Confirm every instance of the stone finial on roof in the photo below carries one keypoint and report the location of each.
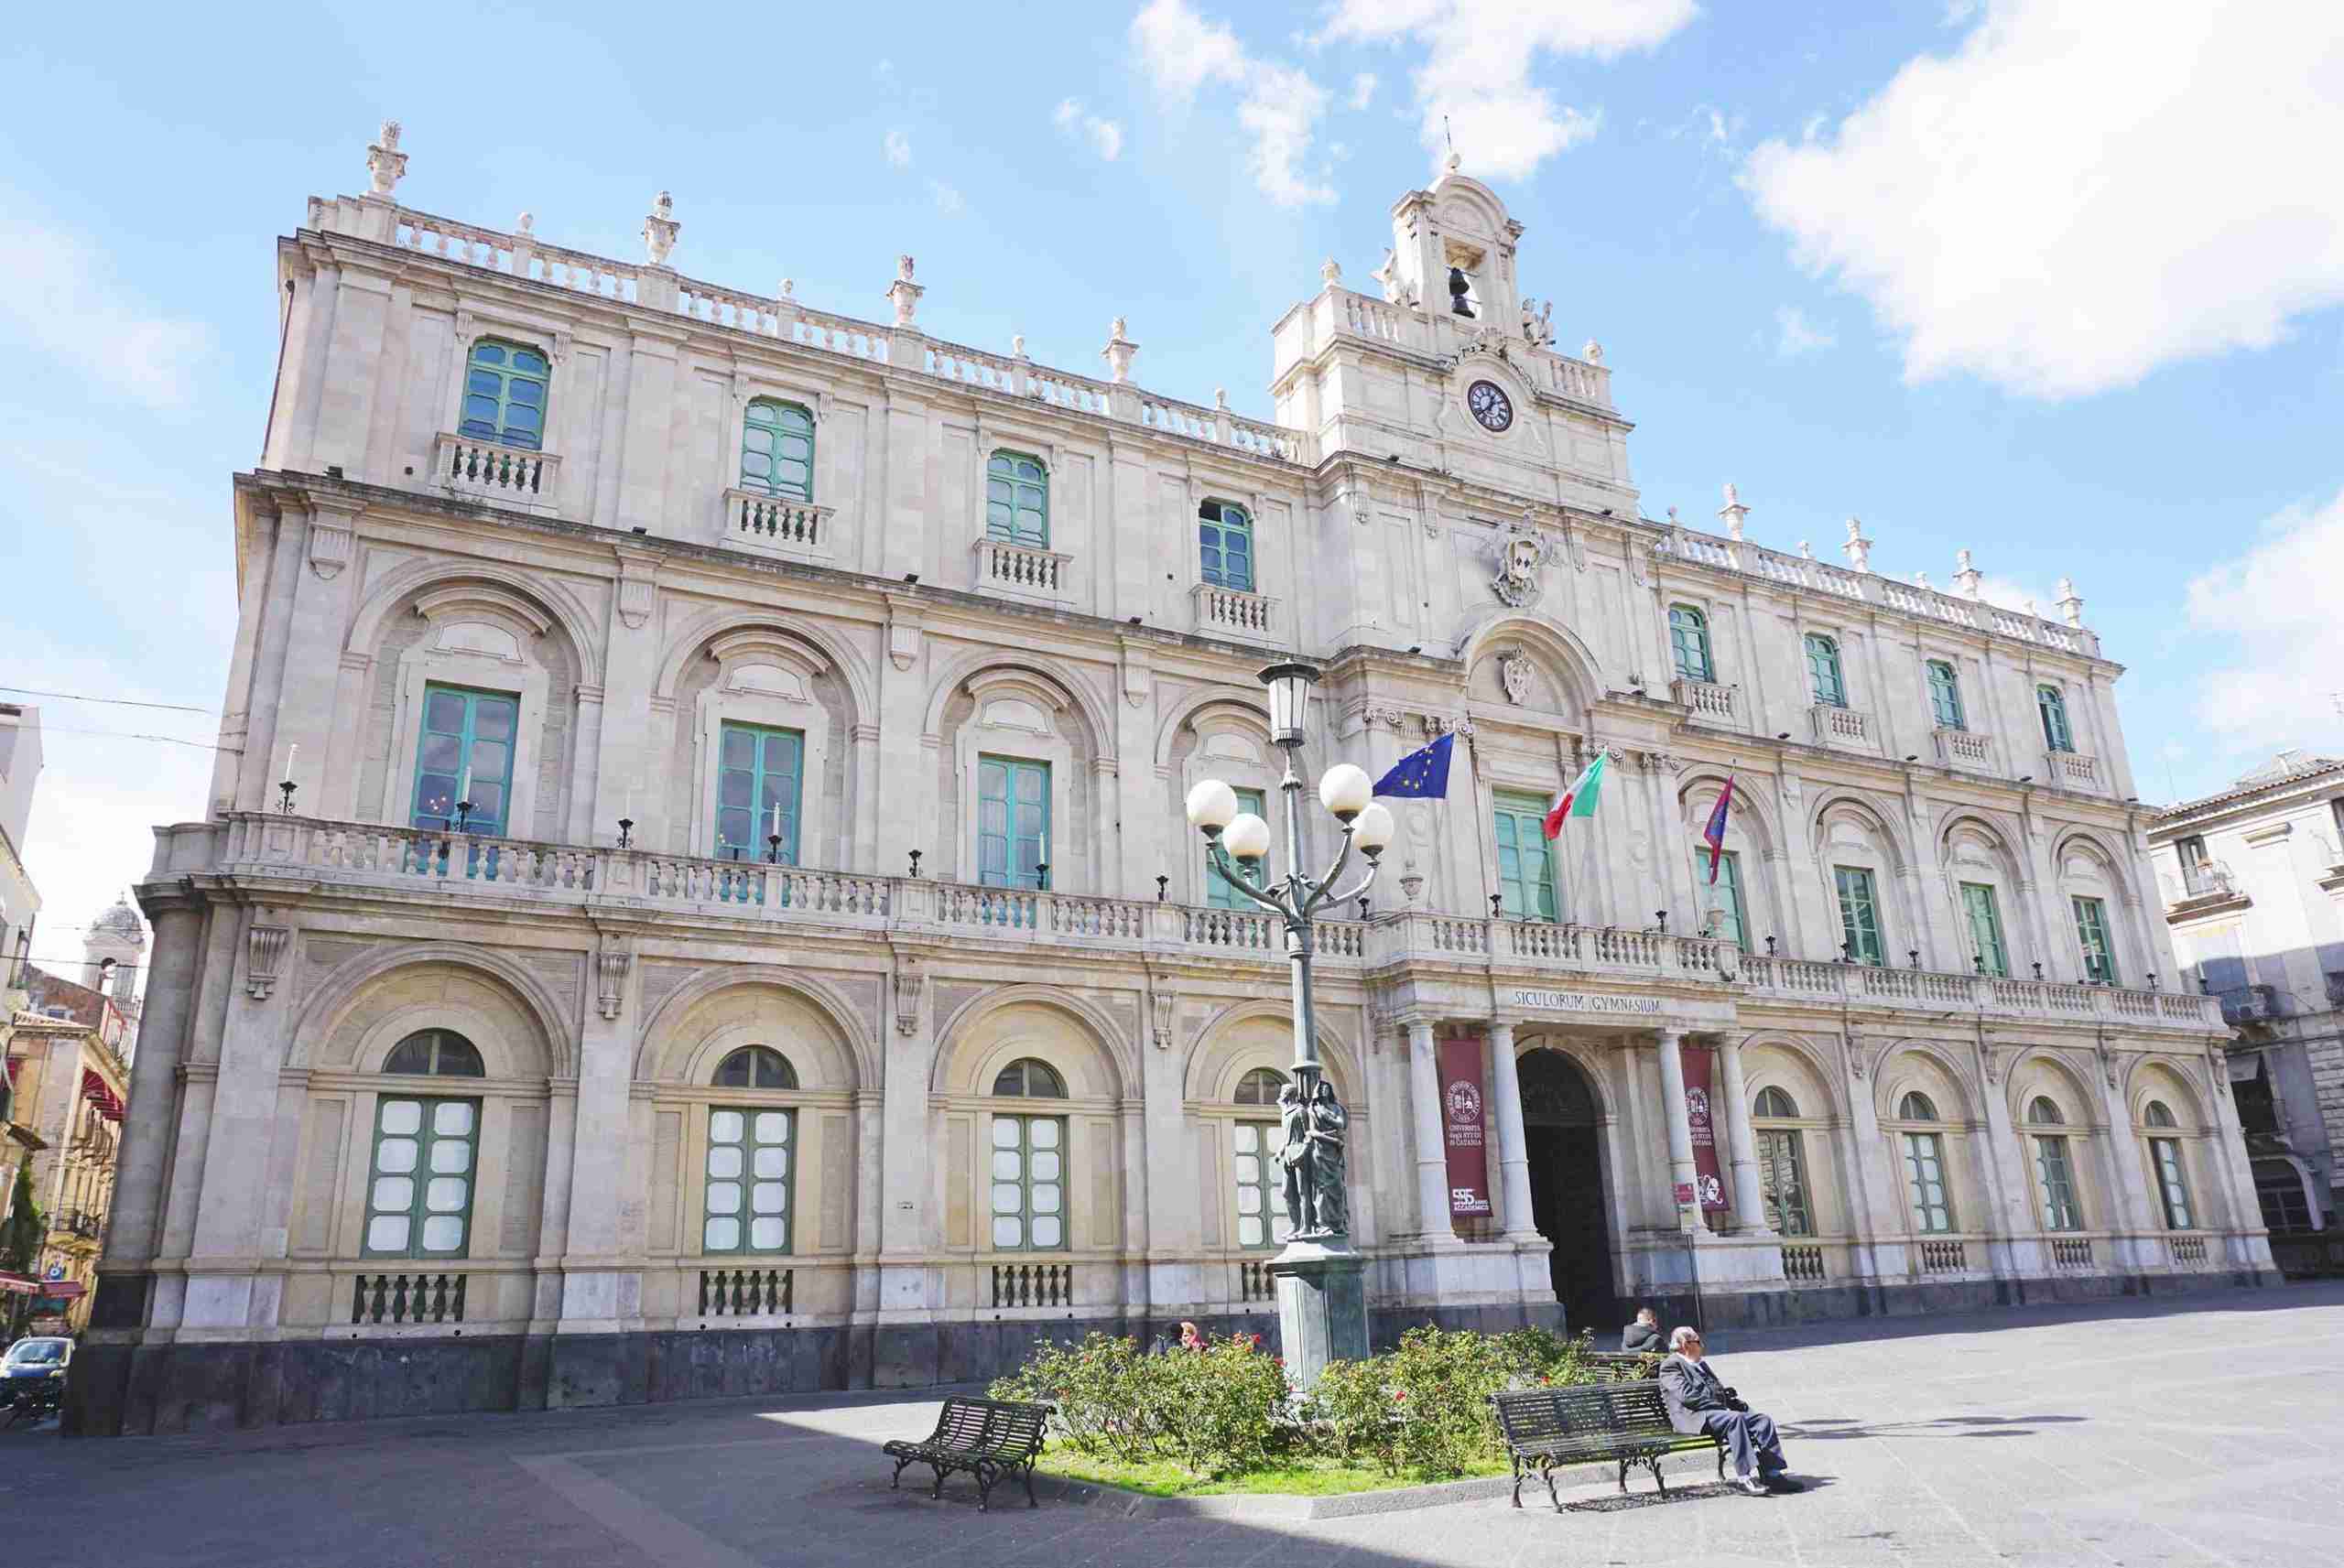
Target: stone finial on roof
(1220, 398)
(1734, 511)
(385, 163)
(1330, 272)
(1118, 352)
(526, 222)
(1858, 549)
(1965, 575)
(903, 294)
(2071, 605)
(660, 229)
(1017, 345)
(1805, 550)
(1593, 354)
(1920, 580)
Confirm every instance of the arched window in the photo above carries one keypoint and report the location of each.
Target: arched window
(1915, 1107)
(1028, 1165)
(1225, 545)
(2158, 1114)
(1017, 500)
(1688, 642)
(1782, 1166)
(2054, 1178)
(1945, 696)
(777, 450)
(435, 1052)
(1260, 1086)
(505, 394)
(1823, 671)
(2043, 1113)
(1776, 1105)
(1030, 1079)
(756, 1067)
(1925, 1178)
(2053, 707)
(2173, 1179)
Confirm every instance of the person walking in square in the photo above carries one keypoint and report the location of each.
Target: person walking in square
(1698, 1402)
(1642, 1338)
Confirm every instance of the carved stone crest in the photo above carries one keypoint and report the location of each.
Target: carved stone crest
(1515, 674)
(1521, 550)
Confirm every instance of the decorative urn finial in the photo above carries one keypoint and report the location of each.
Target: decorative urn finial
(384, 162)
(660, 229)
(1118, 352)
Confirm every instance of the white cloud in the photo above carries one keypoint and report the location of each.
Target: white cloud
(1794, 335)
(1957, 12)
(1279, 106)
(2070, 198)
(63, 302)
(1478, 74)
(899, 149)
(2273, 603)
(1105, 136)
(948, 201)
(1362, 89)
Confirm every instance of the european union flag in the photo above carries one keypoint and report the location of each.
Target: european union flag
(1420, 775)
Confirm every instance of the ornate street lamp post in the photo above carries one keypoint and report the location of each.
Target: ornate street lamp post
(1322, 1299)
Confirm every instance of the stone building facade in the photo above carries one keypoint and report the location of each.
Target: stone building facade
(2253, 881)
(823, 987)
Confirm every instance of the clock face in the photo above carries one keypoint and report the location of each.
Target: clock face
(1489, 404)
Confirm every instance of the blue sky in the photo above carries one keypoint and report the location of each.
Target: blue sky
(2031, 280)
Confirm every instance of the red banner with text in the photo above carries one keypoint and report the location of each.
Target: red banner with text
(1464, 1127)
(1708, 1175)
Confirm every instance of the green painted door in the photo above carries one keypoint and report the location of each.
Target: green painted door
(1219, 894)
(1859, 913)
(1985, 928)
(1733, 916)
(1525, 868)
(759, 777)
(1012, 822)
(2091, 933)
(465, 752)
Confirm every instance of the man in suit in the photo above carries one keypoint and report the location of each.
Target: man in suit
(1644, 1335)
(1698, 1402)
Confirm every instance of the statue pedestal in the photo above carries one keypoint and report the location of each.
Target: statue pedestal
(1322, 1306)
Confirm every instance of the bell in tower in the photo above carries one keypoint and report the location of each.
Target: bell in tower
(1460, 287)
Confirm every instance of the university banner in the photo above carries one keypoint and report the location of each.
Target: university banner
(1708, 1176)
(1464, 1126)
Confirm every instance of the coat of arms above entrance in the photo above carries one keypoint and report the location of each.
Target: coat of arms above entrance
(1521, 550)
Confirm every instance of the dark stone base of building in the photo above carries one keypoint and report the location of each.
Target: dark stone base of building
(122, 1391)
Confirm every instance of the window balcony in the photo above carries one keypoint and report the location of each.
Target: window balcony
(2072, 769)
(1024, 571)
(774, 524)
(497, 475)
(1233, 612)
(1965, 749)
(1836, 726)
(1708, 699)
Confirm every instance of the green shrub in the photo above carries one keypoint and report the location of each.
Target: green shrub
(1211, 1410)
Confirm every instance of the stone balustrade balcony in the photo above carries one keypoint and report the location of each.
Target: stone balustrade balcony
(1964, 748)
(499, 475)
(1634, 972)
(1233, 612)
(1710, 701)
(1024, 571)
(1849, 728)
(2073, 770)
(752, 520)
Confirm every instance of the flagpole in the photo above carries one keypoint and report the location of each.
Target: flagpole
(1481, 814)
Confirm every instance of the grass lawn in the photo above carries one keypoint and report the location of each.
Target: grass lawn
(1307, 1477)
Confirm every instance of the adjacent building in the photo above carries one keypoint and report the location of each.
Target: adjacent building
(2251, 878)
(71, 1077)
(20, 760)
(695, 896)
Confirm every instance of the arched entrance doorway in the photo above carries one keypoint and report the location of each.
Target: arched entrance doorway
(1558, 1129)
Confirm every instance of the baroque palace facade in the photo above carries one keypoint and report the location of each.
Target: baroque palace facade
(818, 985)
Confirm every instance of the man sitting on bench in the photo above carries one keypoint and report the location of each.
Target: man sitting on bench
(1697, 1401)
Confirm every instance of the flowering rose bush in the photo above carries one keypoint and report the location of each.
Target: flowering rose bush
(1211, 1409)
(1425, 1406)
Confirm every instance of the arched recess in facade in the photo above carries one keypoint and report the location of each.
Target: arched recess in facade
(2089, 866)
(1095, 1118)
(1816, 1139)
(2158, 1077)
(1953, 1137)
(1980, 848)
(1260, 1034)
(481, 627)
(1563, 669)
(2041, 1073)
(1217, 732)
(1573, 1136)
(1033, 712)
(771, 673)
(827, 1106)
(1238, 1041)
(1753, 838)
(1848, 829)
(498, 1125)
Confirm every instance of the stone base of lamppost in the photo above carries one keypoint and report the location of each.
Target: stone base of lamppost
(1322, 1306)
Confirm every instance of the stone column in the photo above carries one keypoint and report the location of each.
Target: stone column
(1513, 1151)
(1680, 1130)
(143, 1175)
(1748, 1193)
(1432, 1156)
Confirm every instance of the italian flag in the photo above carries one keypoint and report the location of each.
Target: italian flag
(1578, 798)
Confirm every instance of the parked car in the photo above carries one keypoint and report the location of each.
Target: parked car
(32, 1376)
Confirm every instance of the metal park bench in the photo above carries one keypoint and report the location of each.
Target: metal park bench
(1591, 1424)
(987, 1438)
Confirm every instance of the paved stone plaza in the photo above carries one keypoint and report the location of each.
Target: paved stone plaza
(2166, 1433)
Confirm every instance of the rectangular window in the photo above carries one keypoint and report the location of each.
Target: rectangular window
(747, 1191)
(1945, 696)
(1688, 642)
(465, 752)
(1028, 1183)
(1017, 500)
(1219, 894)
(2052, 708)
(1859, 914)
(2173, 1185)
(759, 779)
(2280, 1191)
(1925, 1182)
(2057, 1182)
(1733, 916)
(1261, 1214)
(505, 395)
(1525, 868)
(1823, 671)
(1225, 545)
(1985, 928)
(2091, 933)
(777, 451)
(1012, 822)
(1782, 1177)
(419, 1186)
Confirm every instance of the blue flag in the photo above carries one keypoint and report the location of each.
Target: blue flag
(1420, 775)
